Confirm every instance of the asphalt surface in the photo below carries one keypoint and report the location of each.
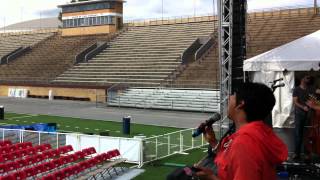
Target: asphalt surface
(88, 110)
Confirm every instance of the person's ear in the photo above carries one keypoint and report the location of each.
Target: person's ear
(240, 105)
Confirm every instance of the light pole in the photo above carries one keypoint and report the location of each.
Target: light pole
(194, 8)
(162, 10)
(315, 6)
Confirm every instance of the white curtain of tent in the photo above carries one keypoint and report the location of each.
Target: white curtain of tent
(282, 62)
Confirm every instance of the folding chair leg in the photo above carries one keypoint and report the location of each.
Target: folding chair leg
(115, 171)
(109, 172)
(122, 169)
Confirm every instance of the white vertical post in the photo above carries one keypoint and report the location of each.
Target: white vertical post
(168, 144)
(141, 153)
(181, 142)
(57, 140)
(3, 134)
(21, 136)
(192, 139)
(156, 147)
(99, 144)
(79, 141)
(39, 138)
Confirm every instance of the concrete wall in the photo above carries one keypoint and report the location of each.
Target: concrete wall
(57, 91)
(102, 29)
(89, 30)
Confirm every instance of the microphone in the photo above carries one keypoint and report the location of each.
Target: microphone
(275, 81)
(216, 117)
(277, 86)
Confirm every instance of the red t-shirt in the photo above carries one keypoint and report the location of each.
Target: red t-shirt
(250, 154)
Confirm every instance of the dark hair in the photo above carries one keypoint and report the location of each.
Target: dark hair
(258, 100)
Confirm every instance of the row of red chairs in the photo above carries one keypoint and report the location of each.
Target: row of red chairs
(29, 150)
(47, 166)
(82, 166)
(30, 160)
(15, 147)
(5, 143)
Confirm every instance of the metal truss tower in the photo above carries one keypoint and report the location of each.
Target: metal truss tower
(225, 57)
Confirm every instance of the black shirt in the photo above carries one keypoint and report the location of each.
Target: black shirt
(303, 96)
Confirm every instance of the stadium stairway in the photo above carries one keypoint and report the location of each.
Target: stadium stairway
(48, 58)
(172, 99)
(203, 73)
(9, 43)
(141, 56)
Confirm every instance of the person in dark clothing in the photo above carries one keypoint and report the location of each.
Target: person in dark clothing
(300, 97)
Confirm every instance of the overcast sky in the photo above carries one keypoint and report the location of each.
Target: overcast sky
(13, 11)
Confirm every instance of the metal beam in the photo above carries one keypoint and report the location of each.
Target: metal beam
(225, 12)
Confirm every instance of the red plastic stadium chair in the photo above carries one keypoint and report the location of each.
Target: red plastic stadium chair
(68, 171)
(76, 169)
(4, 150)
(39, 168)
(8, 177)
(59, 175)
(49, 177)
(55, 152)
(30, 160)
(5, 143)
(2, 168)
(89, 151)
(57, 162)
(39, 157)
(84, 165)
(65, 149)
(47, 154)
(49, 165)
(73, 157)
(21, 163)
(42, 147)
(27, 144)
(10, 166)
(20, 175)
(30, 171)
(80, 155)
(7, 157)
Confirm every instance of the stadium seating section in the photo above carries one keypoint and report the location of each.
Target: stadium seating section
(175, 99)
(142, 55)
(48, 58)
(22, 161)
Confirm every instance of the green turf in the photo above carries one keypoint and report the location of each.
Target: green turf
(156, 170)
(159, 171)
(66, 124)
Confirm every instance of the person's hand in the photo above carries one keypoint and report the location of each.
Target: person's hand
(311, 104)
(210, 136)
(305, 108)
(205, 173)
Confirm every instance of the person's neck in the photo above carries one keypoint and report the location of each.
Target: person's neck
(303, 86)
(240, 123)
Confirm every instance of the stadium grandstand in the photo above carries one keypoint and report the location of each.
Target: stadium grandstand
(90, 53)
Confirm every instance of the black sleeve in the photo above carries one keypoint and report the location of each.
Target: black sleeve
(295, 92)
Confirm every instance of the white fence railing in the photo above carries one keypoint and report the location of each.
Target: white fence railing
(136, 150)
(159, 147)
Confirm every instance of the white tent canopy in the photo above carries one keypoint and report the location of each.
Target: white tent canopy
(300, 55)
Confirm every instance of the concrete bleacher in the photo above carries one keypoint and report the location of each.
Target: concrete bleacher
(174, 99)
(265, 31)
(142, 55)
(10, 43)
(48, 58)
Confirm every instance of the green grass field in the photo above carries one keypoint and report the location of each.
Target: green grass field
(155, 171)
(67, 124)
